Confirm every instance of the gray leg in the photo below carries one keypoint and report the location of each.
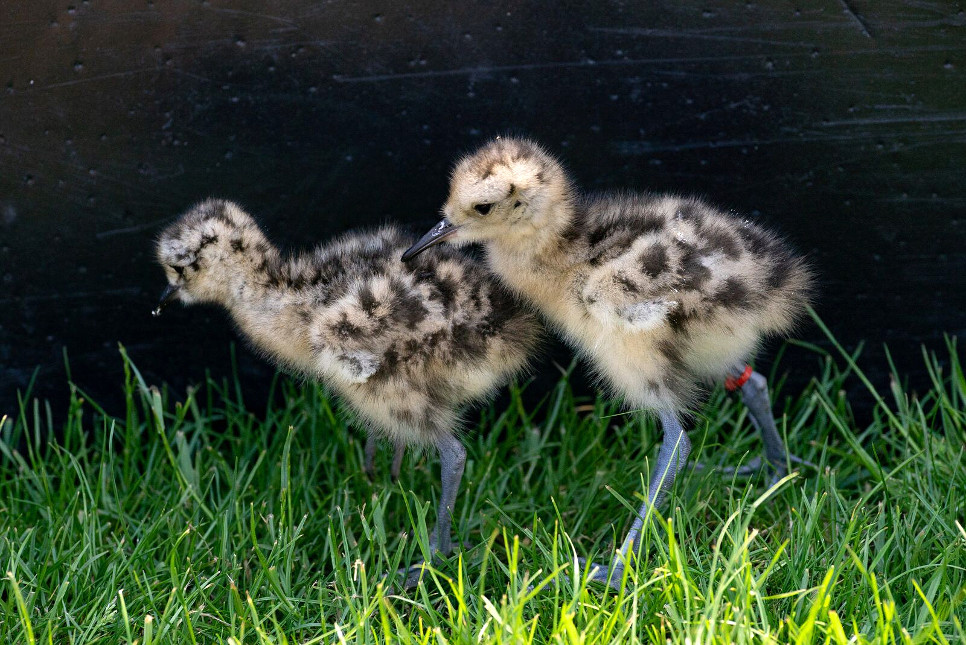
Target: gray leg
(673, 455)
(371, 445)
(452, 457)
(397, 458)
(754, 393)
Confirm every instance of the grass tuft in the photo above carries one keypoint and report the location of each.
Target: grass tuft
(194, 521)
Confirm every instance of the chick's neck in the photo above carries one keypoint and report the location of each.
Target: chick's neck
(270, 311)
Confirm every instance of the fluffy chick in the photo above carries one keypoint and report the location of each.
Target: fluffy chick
(405, 346)
(660, 293)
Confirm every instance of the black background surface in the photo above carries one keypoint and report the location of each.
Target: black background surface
(840, 123)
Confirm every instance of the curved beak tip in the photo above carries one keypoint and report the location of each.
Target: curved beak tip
(437, 234)
(166, 297)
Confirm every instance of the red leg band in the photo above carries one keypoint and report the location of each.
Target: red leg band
(732, 383)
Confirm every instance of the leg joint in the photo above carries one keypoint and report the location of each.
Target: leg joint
(757, 383)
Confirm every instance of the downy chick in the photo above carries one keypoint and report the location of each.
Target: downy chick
(405, 346)
(660, 293)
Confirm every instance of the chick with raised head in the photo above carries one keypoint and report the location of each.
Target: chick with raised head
(404, 345)
(661, 294)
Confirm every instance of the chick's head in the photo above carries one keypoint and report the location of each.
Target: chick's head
(509, 191)
(206, 250)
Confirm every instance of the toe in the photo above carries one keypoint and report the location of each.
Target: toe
(746, 470)
(607, 575)
(407, 578)
(802, 462)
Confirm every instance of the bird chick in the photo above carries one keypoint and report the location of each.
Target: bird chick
(405, 346)
(660, 293)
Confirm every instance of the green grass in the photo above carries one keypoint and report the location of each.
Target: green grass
(198, 522)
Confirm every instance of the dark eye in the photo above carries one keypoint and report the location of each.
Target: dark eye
(178, 270)
(483, 209)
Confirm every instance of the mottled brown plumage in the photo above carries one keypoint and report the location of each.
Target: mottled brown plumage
(660, 293)
(404, 345)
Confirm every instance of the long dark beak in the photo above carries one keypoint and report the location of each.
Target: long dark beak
(436, 235)
(166, 296)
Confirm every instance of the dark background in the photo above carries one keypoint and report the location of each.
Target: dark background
(840, 123)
